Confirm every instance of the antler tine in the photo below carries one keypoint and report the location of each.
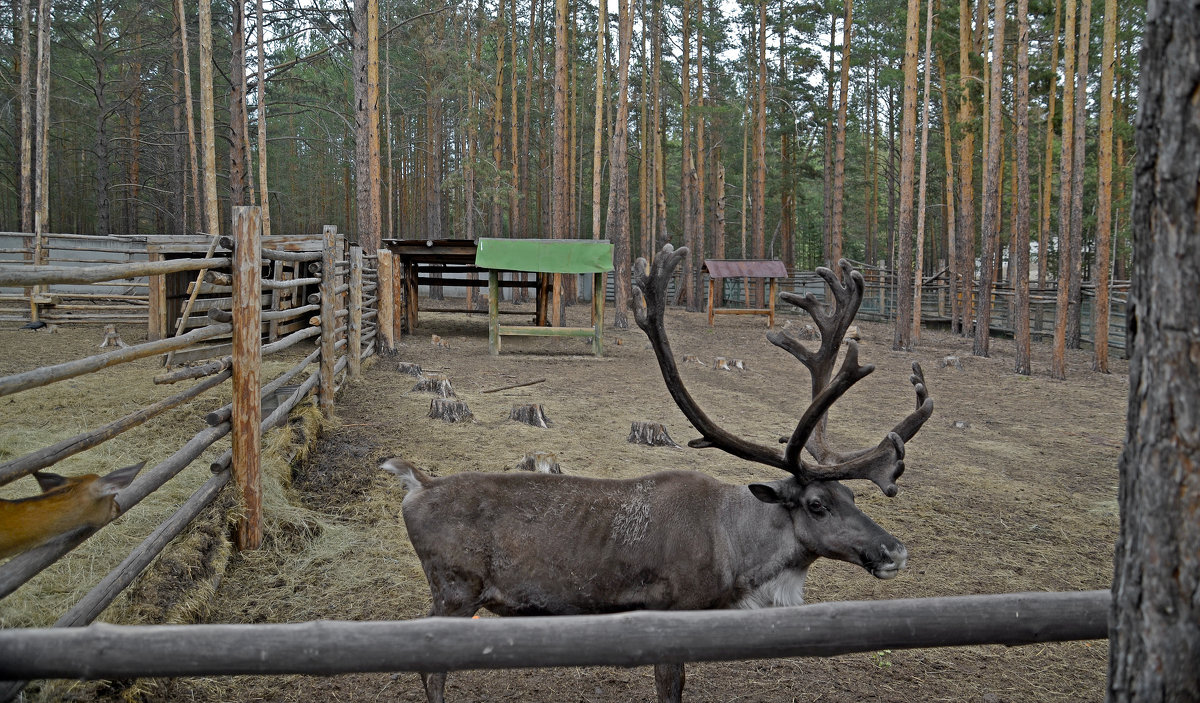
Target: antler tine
(849, 374)
(650, 287)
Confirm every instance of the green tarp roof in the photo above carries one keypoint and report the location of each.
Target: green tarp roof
(545, 255)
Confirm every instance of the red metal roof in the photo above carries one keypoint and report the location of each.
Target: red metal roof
(745, 268)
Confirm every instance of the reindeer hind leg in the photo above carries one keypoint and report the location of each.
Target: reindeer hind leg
(453, 606)
(668, 682)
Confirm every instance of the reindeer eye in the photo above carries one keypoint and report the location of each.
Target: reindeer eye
(816, 507)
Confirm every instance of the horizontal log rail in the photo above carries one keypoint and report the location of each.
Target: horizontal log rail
(27, 275)
(21, 466)
(625, 639)
(49, 374)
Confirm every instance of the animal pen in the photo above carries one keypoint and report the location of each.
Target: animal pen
(352, 296)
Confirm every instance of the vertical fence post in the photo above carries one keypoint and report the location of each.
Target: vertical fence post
(386, 304)
(328, 322)
(354, 324)
(247, 367)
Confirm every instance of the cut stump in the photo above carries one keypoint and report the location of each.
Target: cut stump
(539, 462)
(531, 414)
(449, 410)
(112, 339)
(438, 385)
(650, 433)
(410, 369)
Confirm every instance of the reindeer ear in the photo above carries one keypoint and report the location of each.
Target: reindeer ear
(774, 492)
(48, 481)
(115, 481)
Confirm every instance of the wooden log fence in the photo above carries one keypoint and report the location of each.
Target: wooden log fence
(625, 639)
(243, 418)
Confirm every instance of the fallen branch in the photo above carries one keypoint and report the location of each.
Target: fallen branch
(515, 385)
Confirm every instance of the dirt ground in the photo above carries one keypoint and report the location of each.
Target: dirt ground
(1011, 486)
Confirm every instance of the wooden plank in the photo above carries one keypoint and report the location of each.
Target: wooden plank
(354, 306)
(493, 312)
(525, 331)
(103, 651)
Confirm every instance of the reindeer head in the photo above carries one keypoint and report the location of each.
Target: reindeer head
(822, 510)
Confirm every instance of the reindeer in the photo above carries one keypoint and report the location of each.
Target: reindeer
(544, 544)
(64, 505)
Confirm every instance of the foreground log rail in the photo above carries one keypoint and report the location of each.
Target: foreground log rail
(624, 639)
(243, 418)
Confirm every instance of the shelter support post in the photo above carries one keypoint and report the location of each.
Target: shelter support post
(386, 303)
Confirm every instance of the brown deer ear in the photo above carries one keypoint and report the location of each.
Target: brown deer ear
(48, 482)
(775, 492)
(117, 480)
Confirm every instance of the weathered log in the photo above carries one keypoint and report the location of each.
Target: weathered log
(51, 275)
(70, 369)
(449, 410)
(653, 434)
(439, 385)
(514, 385)
(103, 651)
(539, 462)
(48, 456)
(530, 414)
(189, 372)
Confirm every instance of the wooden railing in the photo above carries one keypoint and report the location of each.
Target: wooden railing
(346, 336)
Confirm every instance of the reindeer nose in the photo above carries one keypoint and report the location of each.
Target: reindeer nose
(895, 560)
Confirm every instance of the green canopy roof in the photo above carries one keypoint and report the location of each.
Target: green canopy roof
(545, 255)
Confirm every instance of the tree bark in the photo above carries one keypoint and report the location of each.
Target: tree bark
(1058, 363)
(1021, 225)
(839, 144)
(212, 219)
(598, 118)
(237, 108)
(264, 199)
(993, 186)
(1154, 631)
(920, 231)
(1104, 156)
(902, 332)
(27, 124)
(618, 197)
(1075, 294)
(1048, 159)
(965, 229)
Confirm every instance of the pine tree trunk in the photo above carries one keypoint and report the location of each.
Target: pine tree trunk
(212, 219)
(1048, 159)
(965, 229)
(953, 282)
(1104, 158)
(598, 119)
(1021, 226)
(902, 333)
(839, 144)
(1154, 632)
(264, 193)
(496, 228)
(27, 123)
(1075, 294)
(237, 108)
(687, 175)
(560, 207)
(827, 171)
(1058, 364)
(920, 230)
(618, 197)
(993, 186)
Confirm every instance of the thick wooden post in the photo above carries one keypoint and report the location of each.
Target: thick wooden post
(387, 303)
(494, 312)
(157, 313)
(354, 324)
(712, 290)
(771, 303)
(328, 322)
(599, 288)
(247, 367)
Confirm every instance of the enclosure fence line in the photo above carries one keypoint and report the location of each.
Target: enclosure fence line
(346, 332)
(624, 639)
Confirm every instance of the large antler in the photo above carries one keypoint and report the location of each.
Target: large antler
(882, 464)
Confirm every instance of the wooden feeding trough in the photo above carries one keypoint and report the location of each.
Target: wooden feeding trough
(552, 257)
(719, 269)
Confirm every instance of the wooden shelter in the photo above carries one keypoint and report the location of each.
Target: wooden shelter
(545, 256)
(718, 269)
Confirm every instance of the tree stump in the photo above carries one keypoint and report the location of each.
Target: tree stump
(410, 369)
(112, 339)
(950, 361)
(438, 385)
(650, 433)
(539, 462)
(532, 414)
(723, 364)
(449, 410)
